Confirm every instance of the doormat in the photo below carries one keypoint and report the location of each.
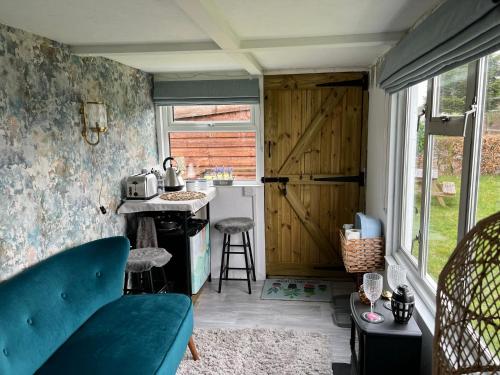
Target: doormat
(341, 311)
(297, 290)
(341, 368)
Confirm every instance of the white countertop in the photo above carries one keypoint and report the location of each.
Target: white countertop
(158, 204)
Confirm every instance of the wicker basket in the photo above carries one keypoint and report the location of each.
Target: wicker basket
(363, 255)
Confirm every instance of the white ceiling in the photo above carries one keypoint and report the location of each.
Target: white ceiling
(79, 22)
(259, 36)
(319, 58)
(176, 63)
(257, 19)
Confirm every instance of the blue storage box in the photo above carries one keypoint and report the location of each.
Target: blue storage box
(370, 226)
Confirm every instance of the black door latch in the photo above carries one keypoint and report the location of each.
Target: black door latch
(281, 180)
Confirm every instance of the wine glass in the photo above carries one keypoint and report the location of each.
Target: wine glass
(372, 286)
(396, 275)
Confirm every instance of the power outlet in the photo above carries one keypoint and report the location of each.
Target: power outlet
(248, 191)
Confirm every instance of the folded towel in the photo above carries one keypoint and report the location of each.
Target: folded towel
(146, 233)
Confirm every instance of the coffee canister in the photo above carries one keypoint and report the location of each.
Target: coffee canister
(192, 185)
(196, 185)
(203, 184)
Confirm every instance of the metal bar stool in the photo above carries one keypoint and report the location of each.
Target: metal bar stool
(232, 226)
(140, 263)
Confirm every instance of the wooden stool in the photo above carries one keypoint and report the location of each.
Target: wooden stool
(228, 227)
(141, 263)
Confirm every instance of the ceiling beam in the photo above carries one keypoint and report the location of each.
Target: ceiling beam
(245, 46)
(150, 48)
(248, 62)
(353, 40)
(208, 17)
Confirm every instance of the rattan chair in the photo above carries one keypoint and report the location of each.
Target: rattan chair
(467, 334)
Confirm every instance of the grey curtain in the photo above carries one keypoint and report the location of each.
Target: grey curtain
(237, 91)
(458, 32)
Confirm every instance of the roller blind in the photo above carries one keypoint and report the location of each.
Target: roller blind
(237, 91)
(458, 32)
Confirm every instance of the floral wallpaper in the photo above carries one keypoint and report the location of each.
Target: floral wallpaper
(50, 179)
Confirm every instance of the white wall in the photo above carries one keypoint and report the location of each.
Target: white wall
(376, 175)
(236, 201)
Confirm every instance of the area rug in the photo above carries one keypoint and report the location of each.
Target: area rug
(258, 352)
(297, 290)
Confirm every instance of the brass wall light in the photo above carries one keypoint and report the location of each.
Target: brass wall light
(95, 120)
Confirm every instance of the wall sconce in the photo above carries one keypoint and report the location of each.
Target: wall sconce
(95, 120)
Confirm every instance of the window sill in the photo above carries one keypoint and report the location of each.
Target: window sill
(237, 184)
(425, 299)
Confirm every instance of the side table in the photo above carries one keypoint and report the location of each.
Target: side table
(383, 348)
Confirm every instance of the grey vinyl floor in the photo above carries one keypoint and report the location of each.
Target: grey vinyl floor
(234, 308)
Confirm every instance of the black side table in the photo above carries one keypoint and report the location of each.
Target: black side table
(383, 348)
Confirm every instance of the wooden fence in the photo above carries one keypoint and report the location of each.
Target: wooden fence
(207, 150)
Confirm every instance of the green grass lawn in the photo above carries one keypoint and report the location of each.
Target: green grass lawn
(443, 229)
(444, 220)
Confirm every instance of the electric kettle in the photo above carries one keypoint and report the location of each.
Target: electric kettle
(173, 179)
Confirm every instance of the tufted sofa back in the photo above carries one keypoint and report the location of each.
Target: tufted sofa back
(43, 305)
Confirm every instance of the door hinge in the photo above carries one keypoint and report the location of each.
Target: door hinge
(362, 82)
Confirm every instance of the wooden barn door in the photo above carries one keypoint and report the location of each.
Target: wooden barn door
(315, 126)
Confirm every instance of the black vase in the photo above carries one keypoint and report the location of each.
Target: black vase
(402, 304)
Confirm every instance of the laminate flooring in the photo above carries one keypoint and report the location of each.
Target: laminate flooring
(234, 308)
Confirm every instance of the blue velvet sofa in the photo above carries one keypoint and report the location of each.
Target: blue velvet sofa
(68, 315)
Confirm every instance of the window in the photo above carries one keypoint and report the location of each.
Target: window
(206, 138)
(450, 93)
(451, 162)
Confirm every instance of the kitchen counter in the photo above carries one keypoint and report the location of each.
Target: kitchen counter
(158, 204)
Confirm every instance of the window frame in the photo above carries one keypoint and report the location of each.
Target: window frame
(409, 117)
(186, 126)
(166, 125)
(449, 125)
(470, 127)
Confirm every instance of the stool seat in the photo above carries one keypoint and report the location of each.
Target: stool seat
(141, 260)
(234, 225)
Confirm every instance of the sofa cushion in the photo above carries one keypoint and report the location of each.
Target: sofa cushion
(41, 307)
(141, 334)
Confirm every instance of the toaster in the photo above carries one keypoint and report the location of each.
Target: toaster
(142, 186)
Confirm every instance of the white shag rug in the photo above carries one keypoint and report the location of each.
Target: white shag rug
(258, 352)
